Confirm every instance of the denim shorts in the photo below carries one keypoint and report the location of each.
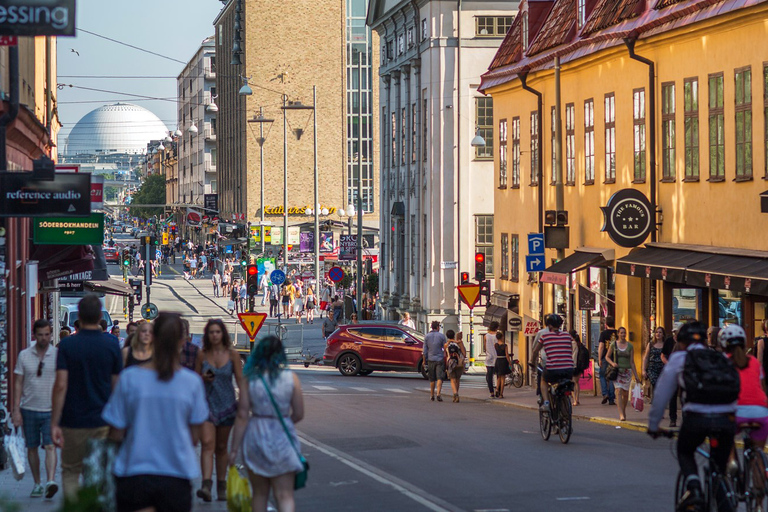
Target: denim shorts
(37, 425)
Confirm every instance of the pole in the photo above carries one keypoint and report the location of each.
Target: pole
(285, 187)
(359, 182)
(559, 188)
(147, 270)
(471, 337)
(261, 157)
(458, 157)
(317, 193)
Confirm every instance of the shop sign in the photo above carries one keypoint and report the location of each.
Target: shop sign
(294, 210)
(276, 234)
(347, 247)
(193, 218)
(37, 17)
(326, 241)
(531, 326)
(69, 231)
(211, 202)
(67, 194)
(629, 217)
(97, 192)
(554, 278)
(587, 299)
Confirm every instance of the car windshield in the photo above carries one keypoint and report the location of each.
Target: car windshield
(413, 333)
(104, 315)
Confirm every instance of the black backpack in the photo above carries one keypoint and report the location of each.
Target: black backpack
(710, 378)
(582, 358)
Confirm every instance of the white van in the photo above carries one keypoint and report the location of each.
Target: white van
(68, 315)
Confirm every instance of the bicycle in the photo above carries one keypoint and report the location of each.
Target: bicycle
(559, 416)
(516, 377)
(280, 328)
(750, 479)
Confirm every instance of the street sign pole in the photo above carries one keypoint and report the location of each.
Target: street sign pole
(147, 270)
(471, 337)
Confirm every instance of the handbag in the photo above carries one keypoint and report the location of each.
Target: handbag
(611, 372)
(17, 452)
(301, 476)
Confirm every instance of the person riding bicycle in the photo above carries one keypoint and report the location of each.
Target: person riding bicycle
(558, 349)
(710, 387)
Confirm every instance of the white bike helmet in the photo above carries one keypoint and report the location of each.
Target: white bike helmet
(731, 335)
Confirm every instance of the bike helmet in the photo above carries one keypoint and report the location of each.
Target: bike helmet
(553, 320)
(731, 335)
(692, 332)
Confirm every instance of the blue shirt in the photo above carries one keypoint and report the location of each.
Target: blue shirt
(91, 358)
(156, 416)
(434, 344)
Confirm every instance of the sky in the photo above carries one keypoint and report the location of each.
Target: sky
(172, 28)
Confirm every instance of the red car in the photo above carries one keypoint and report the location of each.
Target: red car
(359, 349)
(111, 255)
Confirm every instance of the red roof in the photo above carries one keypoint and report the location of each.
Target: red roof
(610, 12)
(511, 48)
(559, 27)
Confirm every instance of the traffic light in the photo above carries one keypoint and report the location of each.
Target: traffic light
(479, 267)
(244, 261)
(136, 285)
(253, 280)
(126, 258)
(465, 278)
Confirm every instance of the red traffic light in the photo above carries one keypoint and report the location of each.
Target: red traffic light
(252, 270)
(479, 257)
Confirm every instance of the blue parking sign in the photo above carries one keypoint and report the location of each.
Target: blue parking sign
(535, 243)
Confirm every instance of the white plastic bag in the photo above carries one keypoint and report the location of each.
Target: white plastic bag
(17, 453)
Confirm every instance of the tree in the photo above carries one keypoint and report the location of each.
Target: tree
(372, 283)
(152, 191)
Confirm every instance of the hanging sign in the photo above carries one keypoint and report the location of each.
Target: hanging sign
(37, 17)
(348, 247)
(629, 217)
(69, 231)
(68, 194)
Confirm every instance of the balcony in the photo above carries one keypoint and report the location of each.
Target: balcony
(208, 132)
(209, 165)
(209, 73)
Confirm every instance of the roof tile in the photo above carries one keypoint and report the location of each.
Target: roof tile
(610, 12)
(559, 28)
(511, 48)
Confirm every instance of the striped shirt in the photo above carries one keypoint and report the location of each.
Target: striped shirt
(558, 346)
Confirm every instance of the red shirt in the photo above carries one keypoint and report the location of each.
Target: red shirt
(751, 388)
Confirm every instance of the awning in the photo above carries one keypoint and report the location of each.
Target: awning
(57, 261)
(720, 268)
(582, 258)
(495, 313)
(110, 287)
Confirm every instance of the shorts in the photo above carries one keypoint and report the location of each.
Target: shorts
(435, 370)
(37, 425)
(286, 299)
(555, 376)
(758, 435)
(164, 493)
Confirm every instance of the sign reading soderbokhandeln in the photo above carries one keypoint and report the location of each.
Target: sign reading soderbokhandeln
(69, 231)
(37, 17)
(68, 194)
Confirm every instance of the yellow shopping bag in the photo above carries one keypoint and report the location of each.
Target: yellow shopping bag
(238, 492)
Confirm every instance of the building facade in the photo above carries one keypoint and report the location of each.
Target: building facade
(276, 60)
(436, 210)
(197, 143)
(676, 164)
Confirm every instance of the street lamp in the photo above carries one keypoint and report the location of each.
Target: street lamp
(477, 141)
(245, 90)
(261, 120)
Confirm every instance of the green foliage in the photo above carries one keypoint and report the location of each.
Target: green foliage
(346, 281)
(6, 505)
(87, 500)
(152, 191)
(372, 283)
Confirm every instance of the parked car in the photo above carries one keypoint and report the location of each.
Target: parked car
(111, 255)
(68, 315)
(359, 349)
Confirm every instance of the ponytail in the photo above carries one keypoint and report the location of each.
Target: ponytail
(739, 357)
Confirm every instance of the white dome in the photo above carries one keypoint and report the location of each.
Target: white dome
(116, 128)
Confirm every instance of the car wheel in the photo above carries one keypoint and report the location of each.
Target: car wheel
(365, 373)
(349, 365)
(423, 370)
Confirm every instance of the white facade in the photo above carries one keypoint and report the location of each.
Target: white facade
(197, 106)
(434, 186)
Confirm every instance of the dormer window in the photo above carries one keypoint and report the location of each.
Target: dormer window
(525, 31)
(581, 13)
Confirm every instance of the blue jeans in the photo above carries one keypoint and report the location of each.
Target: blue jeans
(606, 386)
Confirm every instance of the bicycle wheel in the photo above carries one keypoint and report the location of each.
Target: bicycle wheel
(545, 424)
(755, 482)
(565, 420)
(517, 375)
(280, 331)
(679, 488)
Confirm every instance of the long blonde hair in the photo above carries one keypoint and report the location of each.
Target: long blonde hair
(134, 340)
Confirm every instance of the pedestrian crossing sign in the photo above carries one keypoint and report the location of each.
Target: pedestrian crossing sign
(469, 294)
(252, 322)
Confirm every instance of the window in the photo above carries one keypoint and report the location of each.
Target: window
(504, 256)
(484, 120)
(716, 128)
(503, 153)
(515, 152)
(424, 29)
(743, 95)
(553, 143)
(400, 44)
(668, 131)
(425, 122)
(525, 31)
(484, 240)
(402, 136)
(492, 26)
(390, 50)
(535, 147)
(581, 13)
(413, 132)
(589, 142)
(409, 37)
(691, 113)
(570, 144)
(394, 139)
(610, 138)
(413, 244)
(638, 122)
(514, 271)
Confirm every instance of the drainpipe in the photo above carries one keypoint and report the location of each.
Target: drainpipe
(539, 106)
(8, 117)
(630, 42)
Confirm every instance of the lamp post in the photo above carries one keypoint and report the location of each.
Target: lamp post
(261, 120)
(476, 142)
(359, 181)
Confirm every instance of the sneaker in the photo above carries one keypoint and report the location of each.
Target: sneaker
(37, 491)
(545, 406)
(605, 400)
(50, 489)
(439, 398)
(432, 398)
(611, 402)
(691, 499)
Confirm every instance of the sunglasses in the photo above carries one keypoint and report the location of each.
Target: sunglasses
(40, 369)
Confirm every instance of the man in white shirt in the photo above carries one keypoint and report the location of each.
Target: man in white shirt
(490, 356)
(264, 285)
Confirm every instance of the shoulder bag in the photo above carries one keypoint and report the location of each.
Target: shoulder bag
(611, 372)
(301, 476)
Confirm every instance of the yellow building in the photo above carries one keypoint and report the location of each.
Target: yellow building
(706, 109)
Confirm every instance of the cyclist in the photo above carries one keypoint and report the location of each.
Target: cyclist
(558, 348)
(711, 387)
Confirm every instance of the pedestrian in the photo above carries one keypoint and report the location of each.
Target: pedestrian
(434, 355)
(329, 323)
(338, 308)
(406, 321)
(353, 319)
(188, 350)
(217, 363)
(621, 355)
(264, 285)
(287, 298)
(310, 304)
(269, 406)
(225, 284)
(140, 349)
(156, 413)
(130, 329)
(581, 360)
(274, 300)
(87, 366)
(298, 301)
(186, 265)
(325, 296)
(105, 328)
(490, 356)
(712, 343)
(193, 266)
(503, 364)
(760, 347)
(652, 360)
(670, 346)
(243, 291)
(203, 264)
(35, 373)
(607, 336)
(454, 364)
(216, 280)
(234, 297)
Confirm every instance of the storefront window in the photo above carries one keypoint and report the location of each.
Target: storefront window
(730, 308)
(687, 304)
(760, 313)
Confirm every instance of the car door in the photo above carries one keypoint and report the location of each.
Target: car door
(370, 341)
(400, 350)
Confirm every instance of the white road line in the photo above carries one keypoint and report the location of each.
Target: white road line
(395, 390)
(364, 390)
(324, 388)
(410, 491)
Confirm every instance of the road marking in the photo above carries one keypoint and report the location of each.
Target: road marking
(491, 510)
(395, 390)
(573, 498)
(324, 388)
(364, 390)
(410, 491)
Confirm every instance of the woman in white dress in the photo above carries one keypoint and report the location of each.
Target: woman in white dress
(269, 455)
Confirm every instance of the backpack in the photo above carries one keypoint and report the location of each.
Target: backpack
(710, 378)
(582, 358)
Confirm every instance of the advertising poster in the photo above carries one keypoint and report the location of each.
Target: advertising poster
(307, 241)
(326, 242)
(347, 247)
(276, 235)
(293, 235)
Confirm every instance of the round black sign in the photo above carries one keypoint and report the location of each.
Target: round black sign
(629, 217)
(515, 323)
